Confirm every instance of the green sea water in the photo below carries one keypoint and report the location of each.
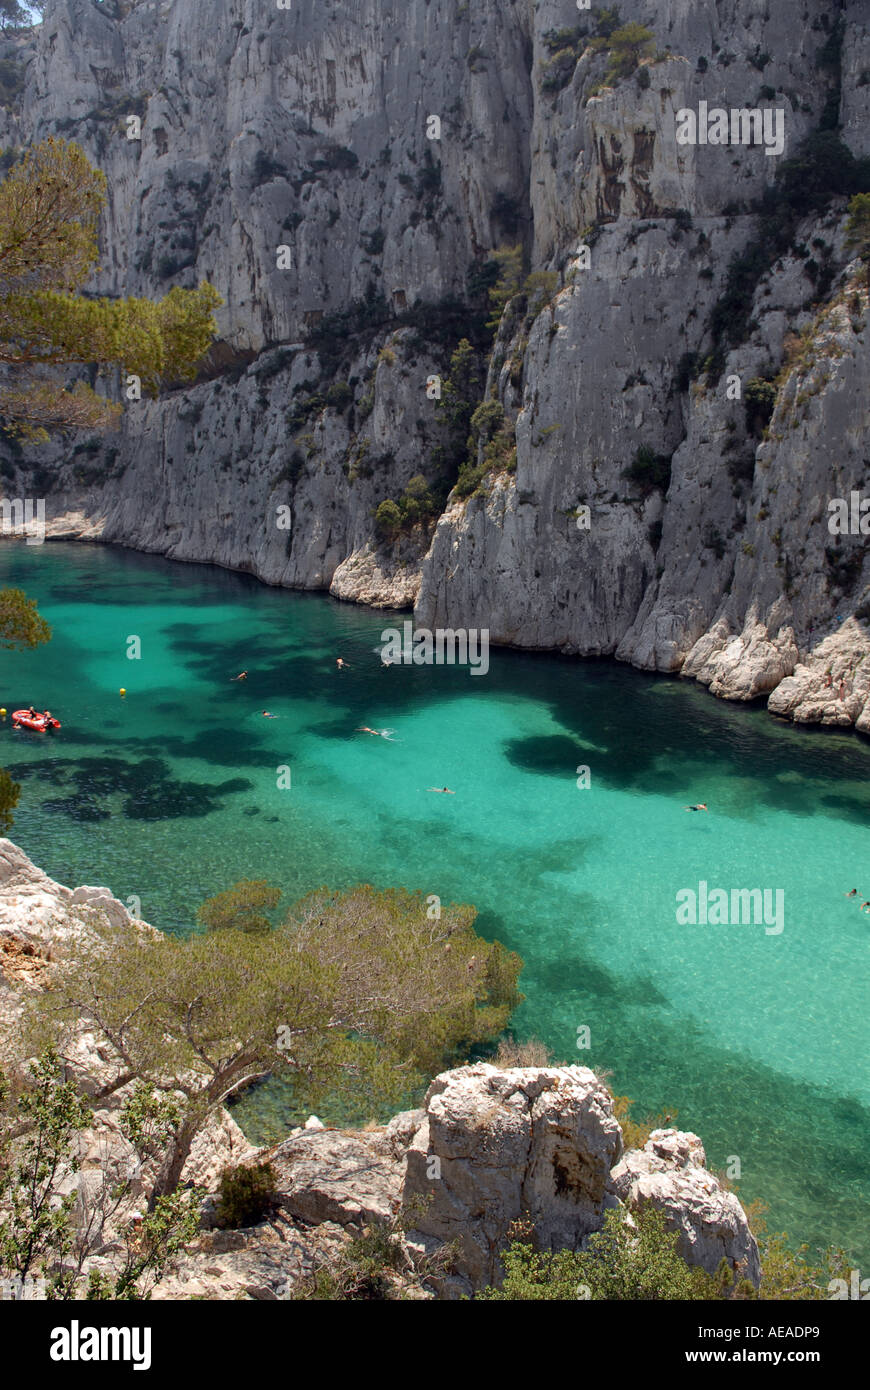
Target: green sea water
(759, 1041)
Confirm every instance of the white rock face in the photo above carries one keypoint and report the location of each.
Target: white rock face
(496, 1145)
(669, 1174)
(307, 129)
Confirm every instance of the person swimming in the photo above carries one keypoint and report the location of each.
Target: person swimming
(699, 807)
(242, 676)
(441, 789)
(267, 715)
(342, 665)
(853, 894)
(378, 733)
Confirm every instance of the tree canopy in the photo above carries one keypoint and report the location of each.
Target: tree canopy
(21, 628)
(50, 205)
(361, 995)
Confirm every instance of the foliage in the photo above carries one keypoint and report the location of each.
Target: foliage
(388, 520)
(356, 995)
(858, 227)
(9, 794)
(509, 283)
(365, 1270)
(531, 1053)
(15, 16)
(789, 1274)
(471, 475)
(759, 399)
(620, 1262)
(50, 204)
(149, 1246)
(626, 45)
(460, 393)
(823, 168)
(246, 1195)
(21, 626)
(487, 418)
(240, 908)
(11, 80)
(38, 1129)
(649, 470)
(36, 1229)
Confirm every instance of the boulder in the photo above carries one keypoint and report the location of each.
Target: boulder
(327, 1175)
(669, 1174)
(536, 1142)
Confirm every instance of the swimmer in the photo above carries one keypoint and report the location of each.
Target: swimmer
(342, 665)
(853, 894)
(441, 789)
(267, 715)
(699, 807)
(379, 733)
(865, 907)
(242, 676)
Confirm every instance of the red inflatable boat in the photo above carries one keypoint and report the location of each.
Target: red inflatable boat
(39, 724)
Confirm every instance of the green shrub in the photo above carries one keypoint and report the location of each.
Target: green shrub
(246, 1196)
(557, 73)
(619, 1263)
(487, 418)
(470, 477)
(759, 399)
(388, 520)
(339, 395)
(649, 470)
(240, 908)
(858, 226)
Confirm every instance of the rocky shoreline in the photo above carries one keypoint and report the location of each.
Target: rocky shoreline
(488, 1146)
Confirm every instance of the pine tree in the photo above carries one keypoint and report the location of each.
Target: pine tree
(50, 204)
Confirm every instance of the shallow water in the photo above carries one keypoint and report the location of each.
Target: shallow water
(758, 1040)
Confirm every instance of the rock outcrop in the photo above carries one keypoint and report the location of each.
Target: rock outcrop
(389, 154)
(542, 1144)
(669, 1173)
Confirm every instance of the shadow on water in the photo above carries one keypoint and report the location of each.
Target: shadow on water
(148, 789)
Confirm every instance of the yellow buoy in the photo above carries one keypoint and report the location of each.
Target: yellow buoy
(2, 713)
(122, 691)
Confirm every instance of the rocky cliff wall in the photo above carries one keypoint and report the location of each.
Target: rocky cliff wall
(307, 128)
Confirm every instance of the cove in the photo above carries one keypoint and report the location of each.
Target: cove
(758, 1041)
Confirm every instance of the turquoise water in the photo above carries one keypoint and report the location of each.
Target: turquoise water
(758, 1040)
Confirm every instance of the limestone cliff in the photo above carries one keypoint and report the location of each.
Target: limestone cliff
(706, 548)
